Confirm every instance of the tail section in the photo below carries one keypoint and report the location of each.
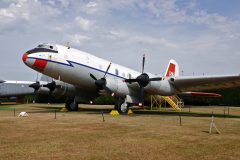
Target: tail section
(172, 69)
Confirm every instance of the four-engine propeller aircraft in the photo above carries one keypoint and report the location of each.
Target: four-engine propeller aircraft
(90, 76)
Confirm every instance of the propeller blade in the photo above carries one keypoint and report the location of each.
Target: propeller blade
(35, 96)
(130, 80)
(156, 79)
(37, 76)
(143, 63)
(107, 69)
(35, 86)
(93, 77)
(141, 99)
(51, 86)
(49, 97)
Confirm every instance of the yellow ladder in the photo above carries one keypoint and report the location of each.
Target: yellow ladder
(174, 101)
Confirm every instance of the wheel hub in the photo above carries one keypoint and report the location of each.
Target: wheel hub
(124, 107)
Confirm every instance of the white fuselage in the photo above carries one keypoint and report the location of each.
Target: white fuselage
(74, 66)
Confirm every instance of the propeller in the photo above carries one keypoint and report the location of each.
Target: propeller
(101, 83)
(143, 80)
(36, 86)
(51, 86)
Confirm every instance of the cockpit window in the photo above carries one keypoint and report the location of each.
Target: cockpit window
(44, 48)
(47, 46)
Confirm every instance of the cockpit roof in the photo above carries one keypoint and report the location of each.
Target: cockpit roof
(44, 48)
(47, 46)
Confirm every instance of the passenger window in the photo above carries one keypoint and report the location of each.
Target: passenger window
(123, 74)
(116, 72)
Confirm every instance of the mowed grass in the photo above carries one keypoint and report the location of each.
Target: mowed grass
(83, 135)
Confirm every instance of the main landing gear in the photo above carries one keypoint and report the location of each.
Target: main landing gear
(71, 105)
(122, 106)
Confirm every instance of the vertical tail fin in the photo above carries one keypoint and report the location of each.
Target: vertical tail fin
(172, 69)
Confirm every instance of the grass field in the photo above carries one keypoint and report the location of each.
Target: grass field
(83, 135)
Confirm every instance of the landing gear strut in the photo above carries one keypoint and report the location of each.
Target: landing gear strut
(71, 105)
(122, 106)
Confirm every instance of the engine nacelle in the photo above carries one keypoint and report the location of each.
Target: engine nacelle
(62, 89)
(65, 89)
(164, 87)
(119, 87)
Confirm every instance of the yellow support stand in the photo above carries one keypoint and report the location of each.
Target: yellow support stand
(114, 113)
(130, 111)
(64, 110)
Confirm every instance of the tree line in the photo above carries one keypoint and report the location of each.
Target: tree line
(230, 96)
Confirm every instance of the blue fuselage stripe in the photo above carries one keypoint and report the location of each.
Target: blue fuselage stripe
(70, 64)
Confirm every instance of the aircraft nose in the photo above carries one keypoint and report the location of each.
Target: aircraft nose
(24, 57)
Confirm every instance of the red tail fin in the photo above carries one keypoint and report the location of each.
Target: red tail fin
(173, 69)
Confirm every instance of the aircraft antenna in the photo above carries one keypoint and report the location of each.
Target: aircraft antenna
(37, 76)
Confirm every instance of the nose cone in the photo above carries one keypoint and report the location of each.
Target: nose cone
(34, 62)
(24, 57)
(27, 60)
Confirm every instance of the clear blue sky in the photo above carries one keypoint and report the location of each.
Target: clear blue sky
(202, 36)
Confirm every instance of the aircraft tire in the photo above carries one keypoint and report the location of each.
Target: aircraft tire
(71, 105)
(121, 107)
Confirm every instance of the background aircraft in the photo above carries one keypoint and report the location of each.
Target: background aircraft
(46, 86)
(90, 76)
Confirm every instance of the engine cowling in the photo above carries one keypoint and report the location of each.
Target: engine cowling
(164, 87)
(62, 89)
(119, 87)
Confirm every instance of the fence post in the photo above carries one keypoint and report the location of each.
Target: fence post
(180, 119)
(103, 117)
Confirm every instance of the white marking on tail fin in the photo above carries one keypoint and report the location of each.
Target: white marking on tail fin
(172, 69)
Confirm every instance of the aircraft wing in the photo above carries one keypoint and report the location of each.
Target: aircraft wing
(200, 83)
(15, 88)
